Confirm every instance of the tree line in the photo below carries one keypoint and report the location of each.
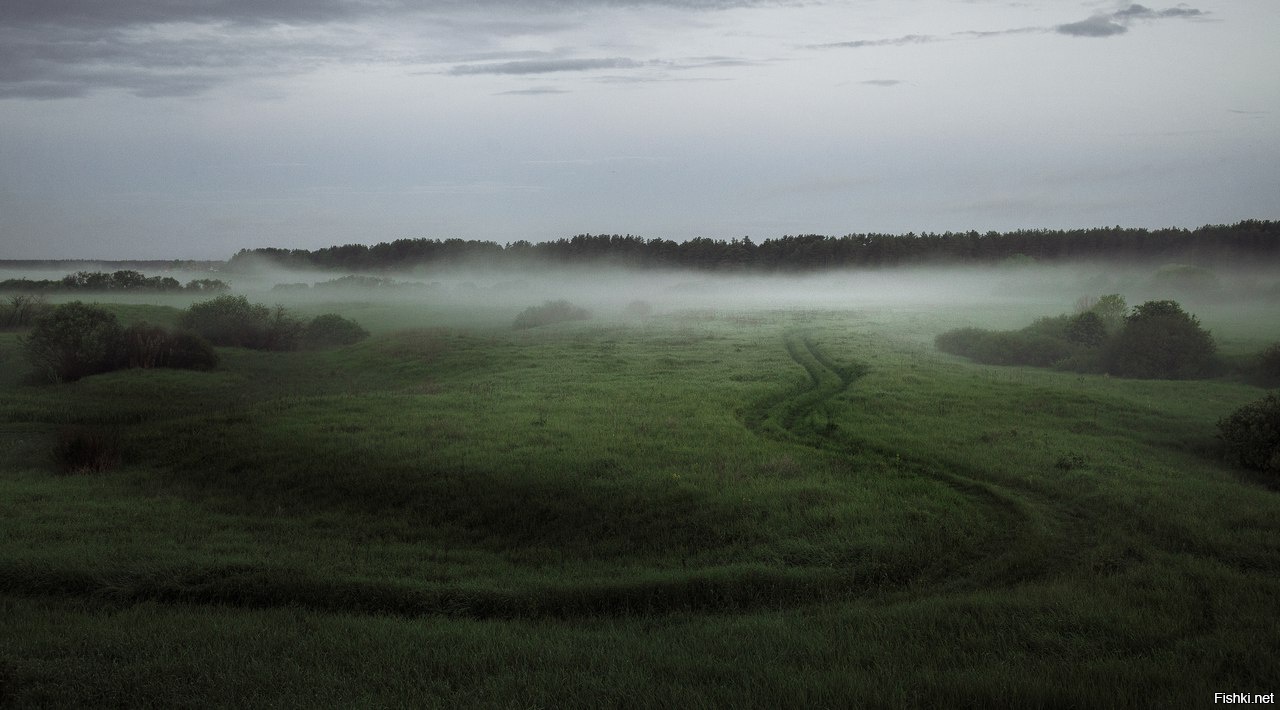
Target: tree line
(1250, 240)
(123, 280)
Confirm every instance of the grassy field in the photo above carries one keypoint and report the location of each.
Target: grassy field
(705, 508)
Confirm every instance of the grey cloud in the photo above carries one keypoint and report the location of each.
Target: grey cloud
(882, 82)
(891, 42)
(1096, 26)
(152, 48)
(536, 91)
(1117, 23)
(1101, 25)
(1136, 11)
(118, 13)
(546, 66)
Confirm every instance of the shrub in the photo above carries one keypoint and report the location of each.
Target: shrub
(1161, 341)
(1086, 329)
(330, 330)
(233, 321)
(207, 285)
(1004, 347)
(188, 351)
(548, 313)
(74, 341)
(22, 310)
(1111, 309)
(144, 344)
(1252, 434)
(81, 450)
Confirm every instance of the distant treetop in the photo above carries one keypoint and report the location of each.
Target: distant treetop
(1251, 240)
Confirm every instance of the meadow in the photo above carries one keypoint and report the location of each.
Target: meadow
(729, 502)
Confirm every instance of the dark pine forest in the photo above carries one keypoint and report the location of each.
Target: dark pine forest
(1248, 241)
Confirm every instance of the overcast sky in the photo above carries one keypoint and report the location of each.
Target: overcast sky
(176, 129)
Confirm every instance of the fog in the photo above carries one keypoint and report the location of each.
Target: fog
(976, 294)
(609, 289)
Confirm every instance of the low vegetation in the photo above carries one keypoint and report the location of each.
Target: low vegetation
(117, 281)
(1157, 340)
(712, 508)
(75, 340)
(1252, 434)
(548, 313)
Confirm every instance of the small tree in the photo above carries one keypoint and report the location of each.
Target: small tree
(1086, 329)
(1252, 434)
(1111, 308)
(234, 321)
(74, 341)
(1161, 341)
(548, 313)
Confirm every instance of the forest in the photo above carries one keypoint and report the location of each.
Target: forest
(1249, 240)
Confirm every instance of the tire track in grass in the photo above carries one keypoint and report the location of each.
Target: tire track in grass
(1011, 555)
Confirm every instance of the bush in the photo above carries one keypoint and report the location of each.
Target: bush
(188, 351)
(22, 310)
(81, 450)
(331, 330)
(233, 321)
(1252, 434)
(548, 313)
(1023, 347)
(1086, 329)
(144, 344)
(1110, 309)
(74, 341)
(1161, 341)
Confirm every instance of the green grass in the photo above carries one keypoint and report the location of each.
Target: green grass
(791, 508)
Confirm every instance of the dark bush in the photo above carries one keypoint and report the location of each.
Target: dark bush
(548, 313)
(1252, 434)
(331, 330)
(144, 344)
(188, 351)
(1111, 309)
(1004, 347)
(74, 341)
(22, 310)
(234, 321)
(81, 450)
(1086, 329)
(1161, 341)
(207, 285)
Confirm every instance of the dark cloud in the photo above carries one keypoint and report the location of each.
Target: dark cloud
(1096, 26)
(1101, 25)
(1117, 23)
(1140, 12)
(546, 66)
(116, 13)
(154, 48)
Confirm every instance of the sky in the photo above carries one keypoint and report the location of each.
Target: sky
(172, 129)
